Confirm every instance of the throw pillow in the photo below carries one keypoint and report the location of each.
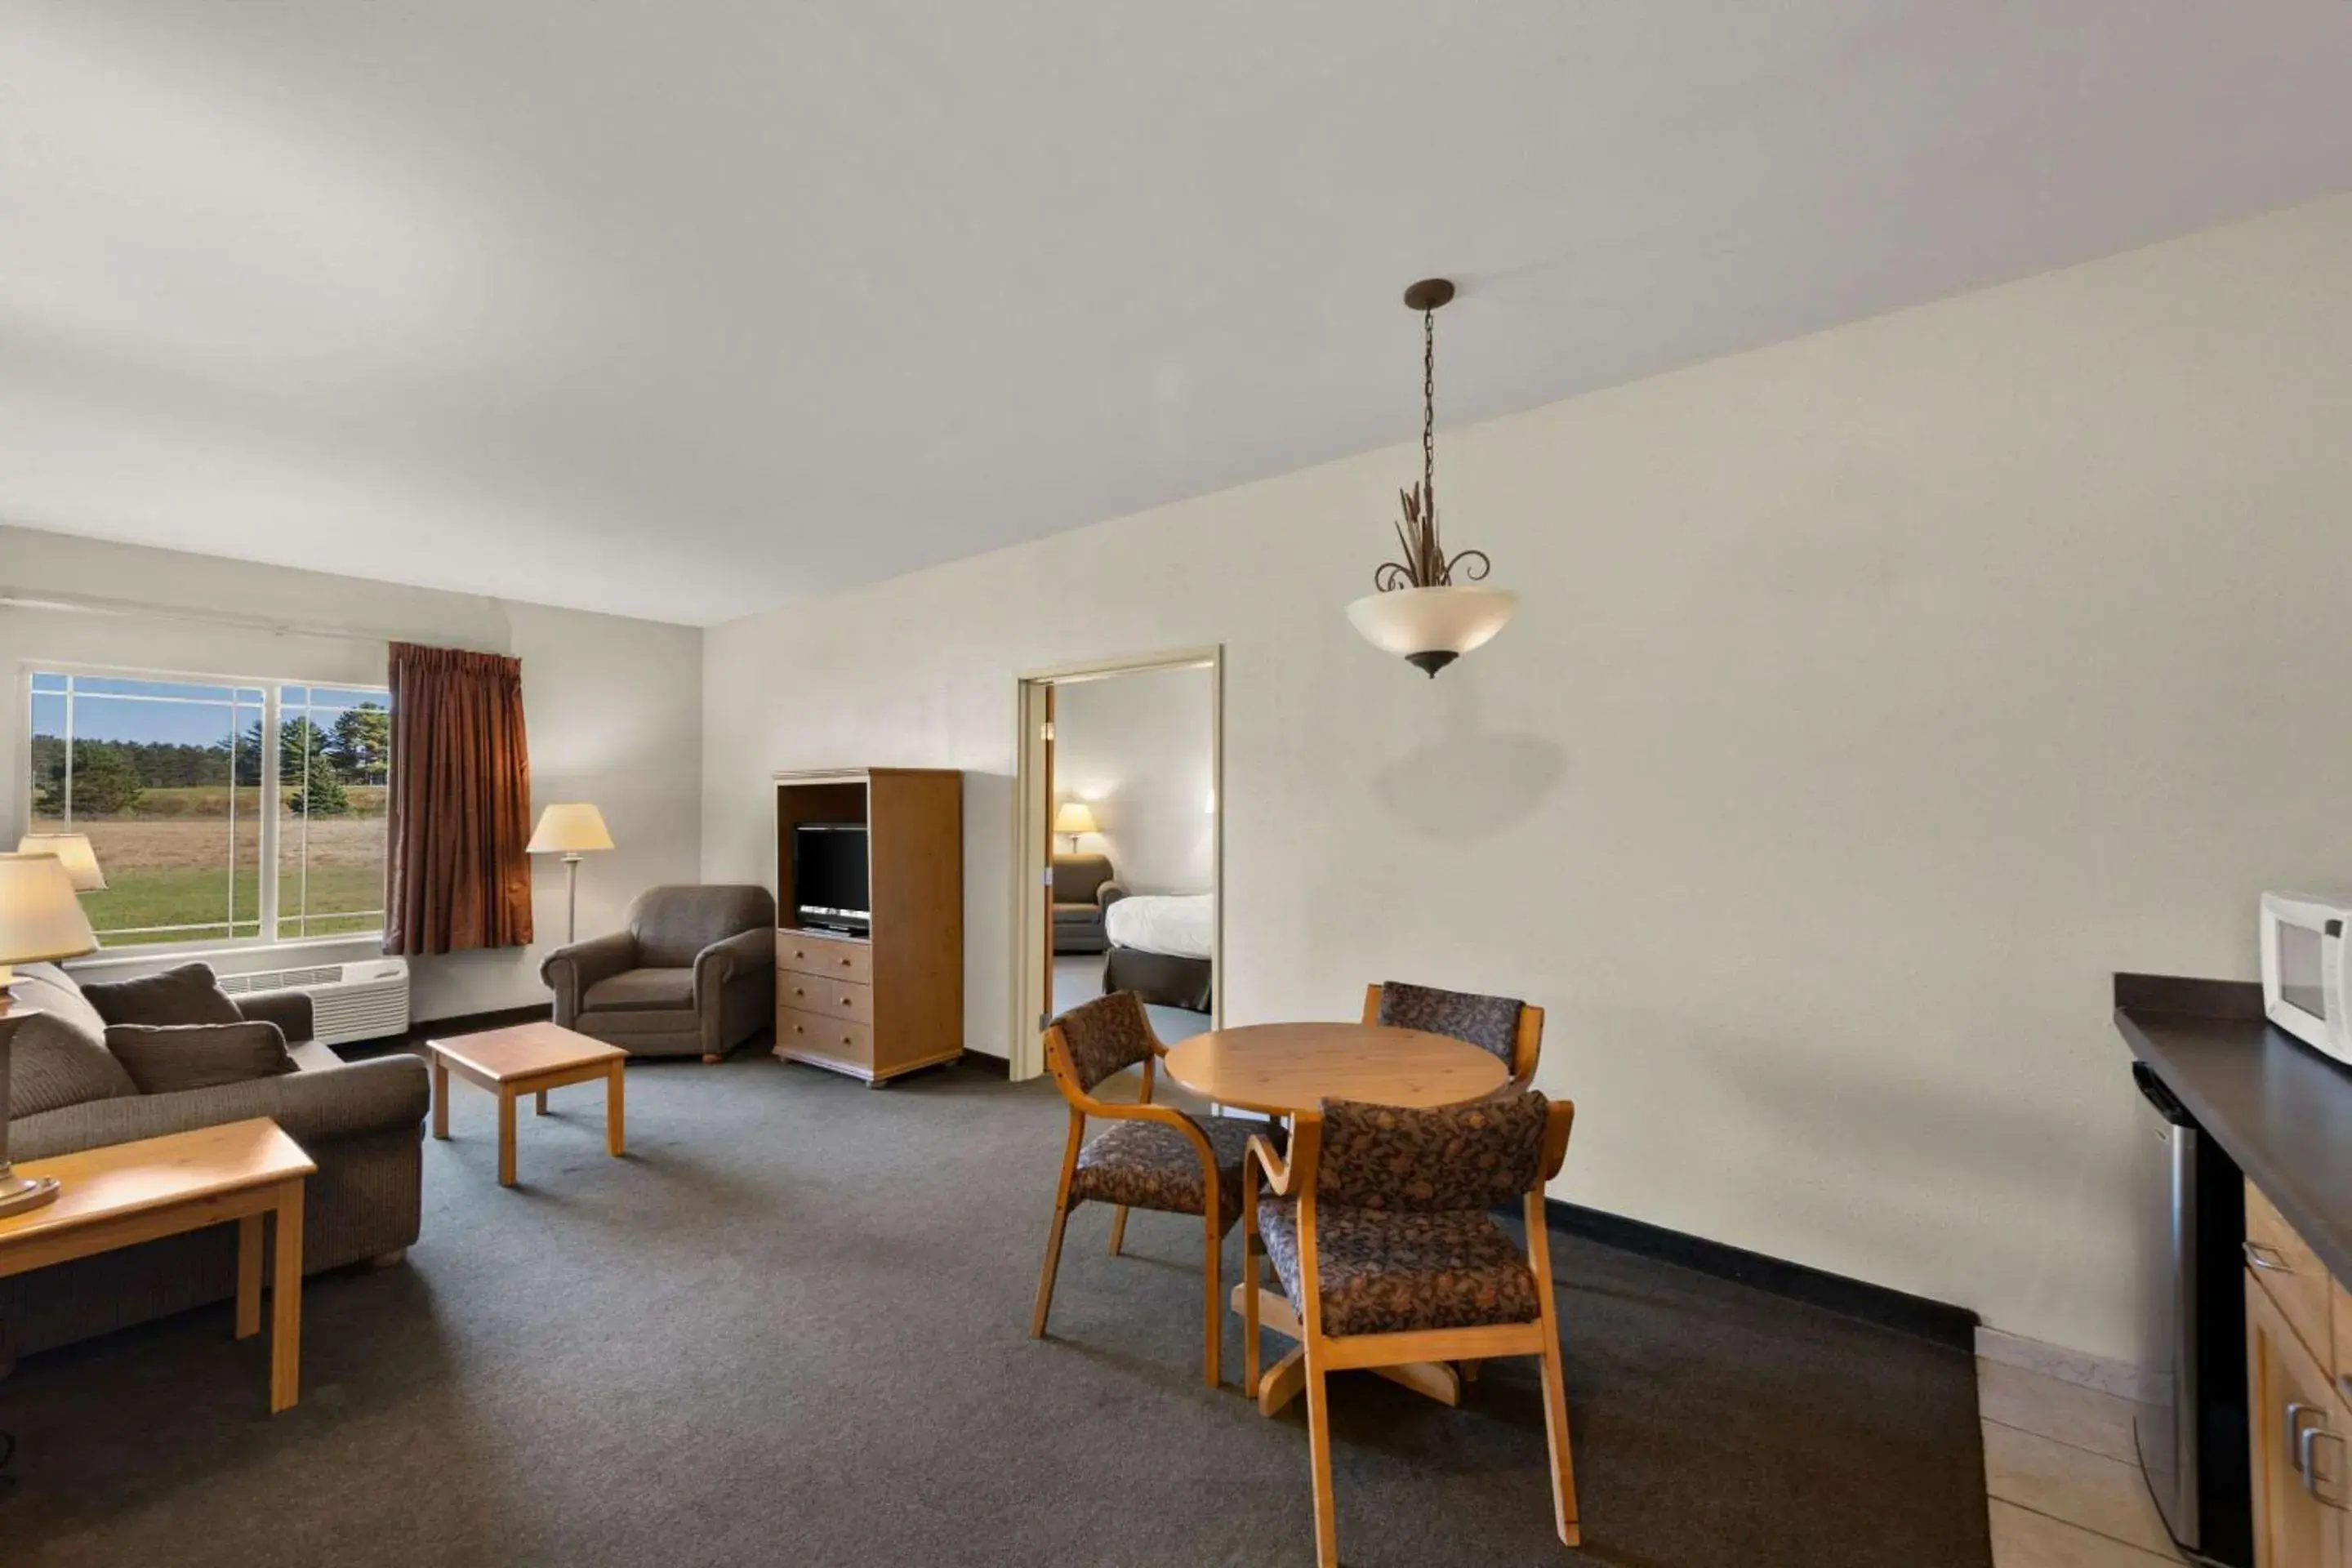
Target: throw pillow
(52, 1061)
(164, 1058)
(188, 995)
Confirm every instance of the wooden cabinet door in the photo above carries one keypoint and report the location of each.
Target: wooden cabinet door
(2303, 1466)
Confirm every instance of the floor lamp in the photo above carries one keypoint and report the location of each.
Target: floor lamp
(570, 831)
(40, 922)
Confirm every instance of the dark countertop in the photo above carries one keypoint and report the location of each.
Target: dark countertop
(2278, 1108)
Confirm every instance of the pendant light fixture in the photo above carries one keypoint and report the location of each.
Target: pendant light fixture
(1419, 610)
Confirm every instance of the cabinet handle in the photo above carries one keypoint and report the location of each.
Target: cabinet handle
(2267, 1258)
(2304, 1462)
(844, 963)
(2295, 1411)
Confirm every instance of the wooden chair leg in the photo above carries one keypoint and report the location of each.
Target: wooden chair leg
(1318, 1457)
(1249, 1315)
(1118, 1230)
(1053, 1262)
(1563, 1471)
(1216, 1307)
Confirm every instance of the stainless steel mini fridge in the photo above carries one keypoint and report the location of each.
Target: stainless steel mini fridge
(2189, 1421)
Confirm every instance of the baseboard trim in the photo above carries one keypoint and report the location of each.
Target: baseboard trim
(423, 1029)
(1936, 1322)
(994, 1067)
(2081, 1368)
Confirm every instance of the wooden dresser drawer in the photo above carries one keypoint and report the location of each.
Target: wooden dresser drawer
(831, 957)
(813, 1034)
(829, 998)
(2291, 1274)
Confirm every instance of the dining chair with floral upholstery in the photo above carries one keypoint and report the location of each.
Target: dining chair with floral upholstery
(1503, 1025)
(1377, 1227)
(1149, 1157)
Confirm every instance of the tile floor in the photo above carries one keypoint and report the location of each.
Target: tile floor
(2060, 1479)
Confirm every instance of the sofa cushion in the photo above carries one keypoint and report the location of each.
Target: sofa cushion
(163, 1058)
(639, 989)
(188, 995)
(57, 1055)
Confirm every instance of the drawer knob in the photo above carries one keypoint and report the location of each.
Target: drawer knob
(2267, 1258)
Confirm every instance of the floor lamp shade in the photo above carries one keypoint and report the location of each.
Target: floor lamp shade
(73, 848)
(570, 830)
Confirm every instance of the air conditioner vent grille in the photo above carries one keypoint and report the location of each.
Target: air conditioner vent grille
(281, 980)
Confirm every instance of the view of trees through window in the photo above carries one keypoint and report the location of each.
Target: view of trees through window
(173, 783)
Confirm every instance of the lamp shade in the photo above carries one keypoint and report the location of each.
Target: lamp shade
(569, 830)
(1432, 628)
(73, 848)
(1075, 817)
(40, 919)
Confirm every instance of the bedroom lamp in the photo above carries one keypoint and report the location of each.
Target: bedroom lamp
(1075, 818)
(73, 848)
(40, 921)
(1416, 608)
(570, 830)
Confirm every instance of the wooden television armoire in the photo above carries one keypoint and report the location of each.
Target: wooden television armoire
(890, 1002)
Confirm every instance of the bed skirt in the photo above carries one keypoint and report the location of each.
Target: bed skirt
(1158, 977)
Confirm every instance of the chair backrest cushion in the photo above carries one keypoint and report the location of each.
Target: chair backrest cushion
(1423, 1161)
(1104, 1036)
(55, 1053)
(1076, 877)
(671, 925)
(1490, 1023)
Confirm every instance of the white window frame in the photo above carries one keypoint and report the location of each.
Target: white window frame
(272, 787)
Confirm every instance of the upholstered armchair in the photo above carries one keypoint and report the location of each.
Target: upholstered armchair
(1377, 1227)
(1084, 891)
(1501, 1025)
(694, 973)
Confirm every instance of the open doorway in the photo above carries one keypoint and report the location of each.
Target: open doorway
(1119, 843)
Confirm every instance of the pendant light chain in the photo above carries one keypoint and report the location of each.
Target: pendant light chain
(1429, 415)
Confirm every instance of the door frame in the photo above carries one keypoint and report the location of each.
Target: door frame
(1033, 838)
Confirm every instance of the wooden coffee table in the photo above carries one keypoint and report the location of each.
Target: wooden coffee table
(529, 1058)
(125, 1194)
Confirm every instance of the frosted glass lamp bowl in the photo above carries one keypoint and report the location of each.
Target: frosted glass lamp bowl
(1432, 628)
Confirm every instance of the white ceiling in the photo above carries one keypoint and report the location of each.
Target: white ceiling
(690, 308)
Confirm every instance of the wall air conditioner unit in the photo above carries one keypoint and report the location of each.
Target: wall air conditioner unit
(364, 1001)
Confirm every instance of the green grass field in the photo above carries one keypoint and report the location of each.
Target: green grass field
(169, 867)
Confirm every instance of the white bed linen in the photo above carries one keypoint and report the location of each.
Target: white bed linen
(1180, 925)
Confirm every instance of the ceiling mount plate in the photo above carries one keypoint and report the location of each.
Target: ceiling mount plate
(1429, 294)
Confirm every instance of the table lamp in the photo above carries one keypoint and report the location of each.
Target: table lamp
(40, 919)
(73, 848)
(570, 831)
(1075, 818)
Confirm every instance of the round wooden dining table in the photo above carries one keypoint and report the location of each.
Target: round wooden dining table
(1282, 1069)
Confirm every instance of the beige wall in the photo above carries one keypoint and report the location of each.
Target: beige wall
(1140, 750)
(1873, 697)
(610, 703)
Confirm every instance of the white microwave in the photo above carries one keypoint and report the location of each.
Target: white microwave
(2303, 989)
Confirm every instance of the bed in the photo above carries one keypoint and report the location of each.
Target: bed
(1161, 948)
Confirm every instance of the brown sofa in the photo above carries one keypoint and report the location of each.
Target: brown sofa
(363, 1122)
(1084, 890)
(694, 974)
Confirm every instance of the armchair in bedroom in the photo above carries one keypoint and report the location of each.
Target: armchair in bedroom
(1083, 889)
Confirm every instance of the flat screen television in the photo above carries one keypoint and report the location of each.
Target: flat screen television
(829, 886)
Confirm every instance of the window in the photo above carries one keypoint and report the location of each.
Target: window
(219, 811)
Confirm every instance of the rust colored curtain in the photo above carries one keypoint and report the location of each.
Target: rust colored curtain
(460, 810)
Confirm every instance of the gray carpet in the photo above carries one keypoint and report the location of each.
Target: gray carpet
(1078, 978)
(792, 1328)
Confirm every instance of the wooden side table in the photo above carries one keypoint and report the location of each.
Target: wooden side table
(529, 1058)
(125, 1194)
